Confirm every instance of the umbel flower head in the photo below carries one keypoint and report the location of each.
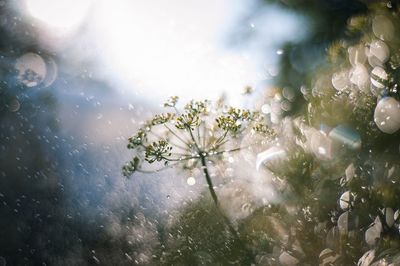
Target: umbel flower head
(200, 129)
(194, 135)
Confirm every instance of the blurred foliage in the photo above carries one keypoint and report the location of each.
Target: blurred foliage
(339, 183)
(327, 21)
(199, 237)
(341, 199)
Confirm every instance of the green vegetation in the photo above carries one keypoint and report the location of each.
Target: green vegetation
(338, 177)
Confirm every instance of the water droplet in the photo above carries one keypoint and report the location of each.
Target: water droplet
(266, 108)
(288, 94)
(343, 223)
(304, 90)
(346, 136)
(328, 257)
(340, 80)
(383, 28)
(229, 172)
(379, 77)
(276, 108)
(387, 115)
(363, 200)
(128, 257)
(396, 215)
(51, 73)
(321, 150)
(191, 181)
(286, 105)
(357, 55)
(389, 216)
(378, 53)
(287, 259)
(344, 201)
(332, 237)
(272, 154)
(31, 69)
(321, 145)
(350, 172)
(373, 233)
(14, 105)
(359, 76)
(96, 260)
(246, 207)
(367, 258)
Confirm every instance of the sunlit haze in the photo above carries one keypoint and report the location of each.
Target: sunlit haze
(155, 49)
(63, 14)
(199, 132)
(172, 51)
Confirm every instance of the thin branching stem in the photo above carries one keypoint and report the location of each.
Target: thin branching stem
(204, 134)
(174, 144)
(180, 154)
(193, 138)
(220, 144)
(177, 110)
(228, 151)
(154, 134)
(176, 135)
(215, 197)
(222, 138)
(180, 159)
(157, 170)
(177, 146)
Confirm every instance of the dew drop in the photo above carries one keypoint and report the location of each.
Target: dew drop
(191, 181)
(14, 105)
(359, 76)
(383, 28)
(379, 77)
(357, 55)
(340, 80)
(378, 53)
(31, 69)
(344, 201)
(266, 109)
(387, 115)
(343, 223)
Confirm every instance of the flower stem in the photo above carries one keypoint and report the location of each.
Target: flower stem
(249, 255)
(215, 197)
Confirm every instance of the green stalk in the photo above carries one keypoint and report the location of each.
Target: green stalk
(214, 196)
(220, 211)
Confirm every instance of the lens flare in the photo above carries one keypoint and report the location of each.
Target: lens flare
(64, 14)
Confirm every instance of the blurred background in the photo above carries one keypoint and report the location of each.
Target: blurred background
(79, 76)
